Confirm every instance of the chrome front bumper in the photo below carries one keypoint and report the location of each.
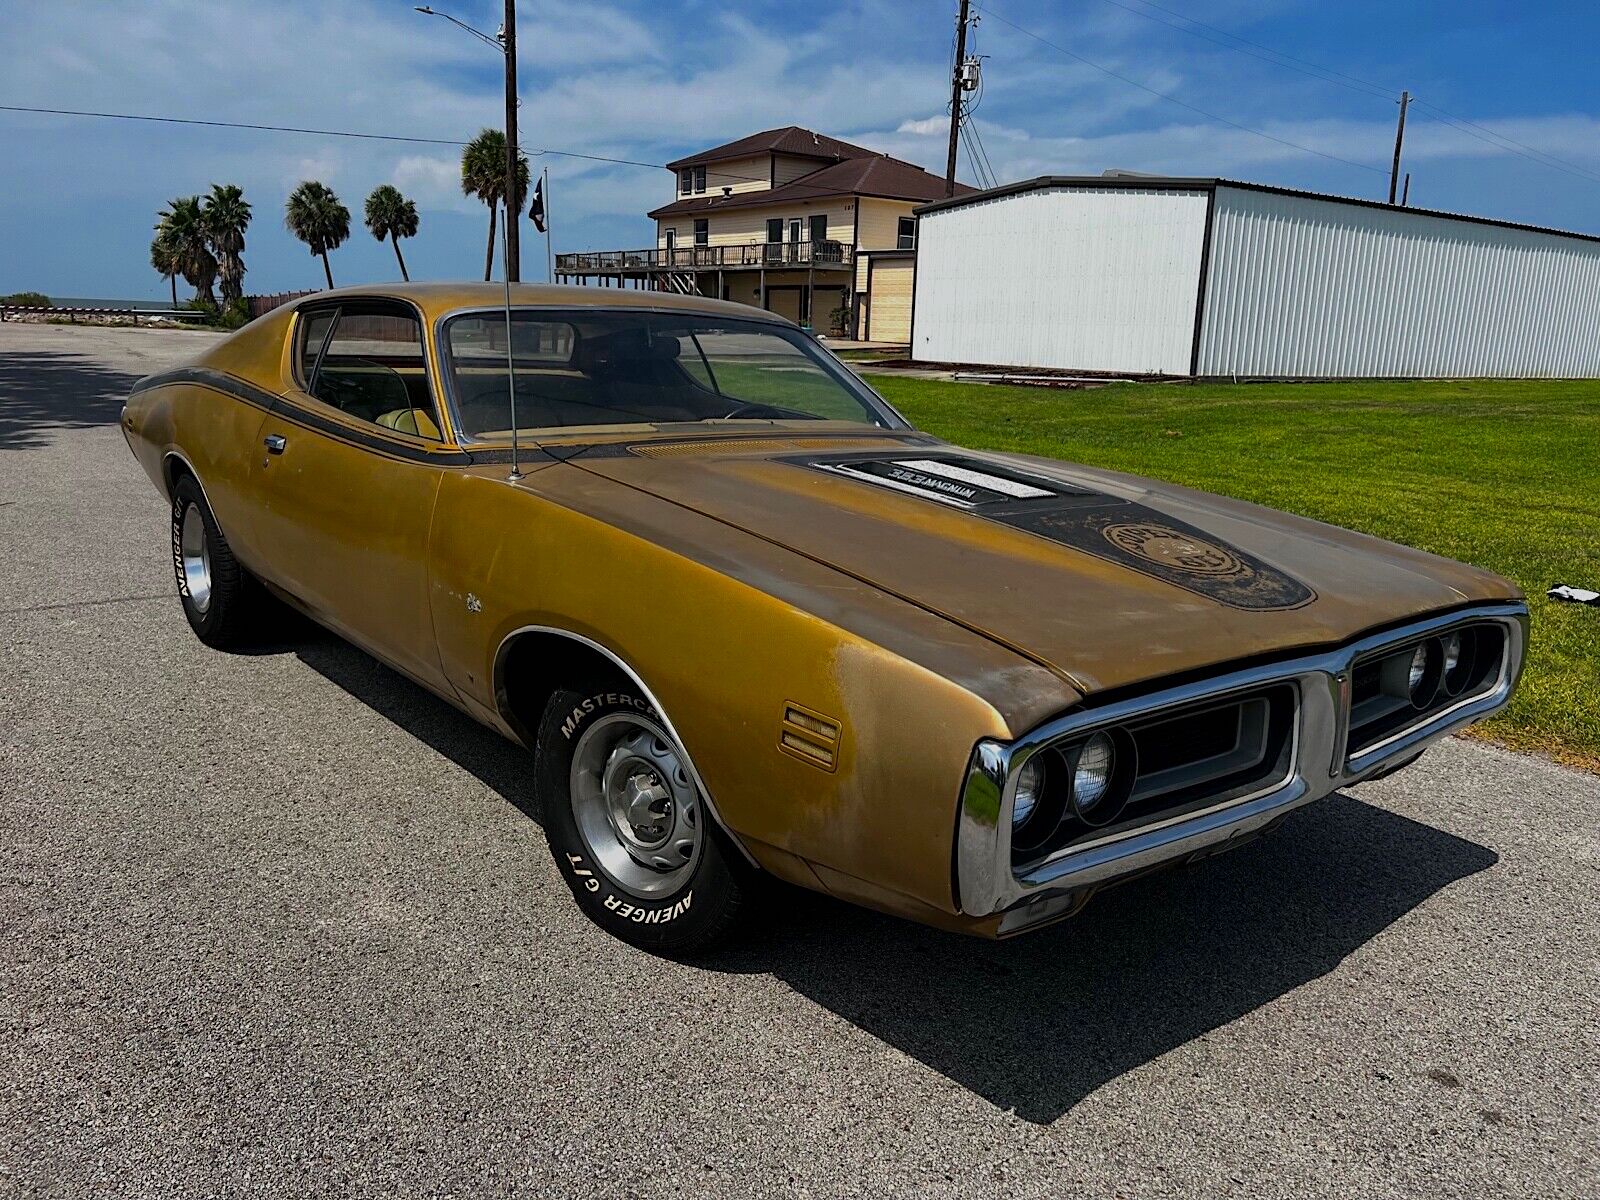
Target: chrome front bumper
(986, 882)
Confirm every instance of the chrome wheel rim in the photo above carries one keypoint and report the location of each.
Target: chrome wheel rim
(635, 806)
(194, 558)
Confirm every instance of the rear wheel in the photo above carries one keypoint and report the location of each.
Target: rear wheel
(627, 825)
(223, 604)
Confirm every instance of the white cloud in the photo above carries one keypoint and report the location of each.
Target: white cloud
(648, 83)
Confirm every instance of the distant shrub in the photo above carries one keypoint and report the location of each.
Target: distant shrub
(234, 315)
(26, 300)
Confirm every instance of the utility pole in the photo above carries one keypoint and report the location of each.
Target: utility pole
(1399, 137)
(955, 99)
(508, 42)
(1405, 192)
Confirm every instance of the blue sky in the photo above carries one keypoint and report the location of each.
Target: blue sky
(653, 80)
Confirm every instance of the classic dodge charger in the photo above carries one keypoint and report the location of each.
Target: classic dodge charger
(748, 620)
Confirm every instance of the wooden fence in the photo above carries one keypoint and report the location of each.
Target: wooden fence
(259, 306)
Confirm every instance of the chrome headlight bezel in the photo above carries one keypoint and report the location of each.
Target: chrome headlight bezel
(987, 879)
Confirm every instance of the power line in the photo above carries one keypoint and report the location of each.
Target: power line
(1500, 140)
(1171, 99)
(385, 137)
(1351, 82)
(977, 149)
(379, 137)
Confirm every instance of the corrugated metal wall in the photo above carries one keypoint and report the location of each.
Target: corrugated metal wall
(1306, 287)
(1095, 279)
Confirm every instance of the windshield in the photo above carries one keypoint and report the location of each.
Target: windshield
(596, 367)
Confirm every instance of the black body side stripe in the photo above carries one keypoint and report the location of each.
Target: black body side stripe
(283, 406)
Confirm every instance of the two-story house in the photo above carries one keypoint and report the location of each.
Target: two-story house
(797, 222)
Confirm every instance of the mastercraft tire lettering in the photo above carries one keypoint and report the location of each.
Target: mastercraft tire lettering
(627, 825)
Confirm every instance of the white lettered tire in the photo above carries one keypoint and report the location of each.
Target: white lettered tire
(627, 826)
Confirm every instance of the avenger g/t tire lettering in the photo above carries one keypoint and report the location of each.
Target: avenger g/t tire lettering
(627, 826)
(224, 604)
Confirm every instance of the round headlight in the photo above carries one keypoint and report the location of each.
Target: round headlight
(1460, 659)
(1418, 670)
(1091, 775)
(1452, 653)
(1030, 785)
(1424, 672)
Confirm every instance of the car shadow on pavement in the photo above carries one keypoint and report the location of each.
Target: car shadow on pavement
(505, 768)
(42, 390)
(1036, 1024)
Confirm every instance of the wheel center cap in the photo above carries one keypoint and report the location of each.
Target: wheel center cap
(646, 807)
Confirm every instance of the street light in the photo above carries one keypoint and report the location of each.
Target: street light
(505, 41)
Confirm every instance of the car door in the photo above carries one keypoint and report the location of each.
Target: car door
(349, 467)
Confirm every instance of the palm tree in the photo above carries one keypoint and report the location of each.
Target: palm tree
(183, 227)
(483, 174)
(315, 216)
(165, 260)
(390, 215)
(227, 216)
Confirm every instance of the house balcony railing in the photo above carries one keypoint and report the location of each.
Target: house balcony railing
(825, 255)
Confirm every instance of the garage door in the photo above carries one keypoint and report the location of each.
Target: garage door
(889, 303)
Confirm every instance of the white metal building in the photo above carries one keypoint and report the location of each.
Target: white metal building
(1212, 277)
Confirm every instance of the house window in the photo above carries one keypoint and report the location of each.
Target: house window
(702, 232)
(907, 238)
(685, 181)
(819, 229)
(699, 181)
(774, 230)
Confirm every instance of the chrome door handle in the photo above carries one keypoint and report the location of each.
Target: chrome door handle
(275, 443)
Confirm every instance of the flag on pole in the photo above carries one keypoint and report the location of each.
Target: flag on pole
(536, 213)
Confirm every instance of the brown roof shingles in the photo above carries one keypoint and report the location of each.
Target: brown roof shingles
(866, 175)
(790, 139)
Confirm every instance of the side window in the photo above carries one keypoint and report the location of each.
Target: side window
(906, 234)
(374, 369)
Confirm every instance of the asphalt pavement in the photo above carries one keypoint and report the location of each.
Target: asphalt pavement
(276, 924)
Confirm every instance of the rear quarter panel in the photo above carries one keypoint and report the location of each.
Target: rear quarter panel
(215, 432)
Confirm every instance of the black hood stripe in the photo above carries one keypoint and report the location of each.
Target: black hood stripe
(1120, 531)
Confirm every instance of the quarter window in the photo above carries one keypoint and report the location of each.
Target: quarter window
(371, 367)
(314, 329)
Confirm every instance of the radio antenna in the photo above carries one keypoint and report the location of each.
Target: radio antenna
(511, 366)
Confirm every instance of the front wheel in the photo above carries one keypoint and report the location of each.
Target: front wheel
(627, 825)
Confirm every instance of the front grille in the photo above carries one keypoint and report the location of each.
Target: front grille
(1164, 767)
(1400, 687)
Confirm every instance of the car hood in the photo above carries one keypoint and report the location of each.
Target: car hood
(1107, 579)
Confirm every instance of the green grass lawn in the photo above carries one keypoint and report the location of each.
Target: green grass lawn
(1503, 474)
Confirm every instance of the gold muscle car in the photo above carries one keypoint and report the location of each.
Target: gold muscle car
(748, 620)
